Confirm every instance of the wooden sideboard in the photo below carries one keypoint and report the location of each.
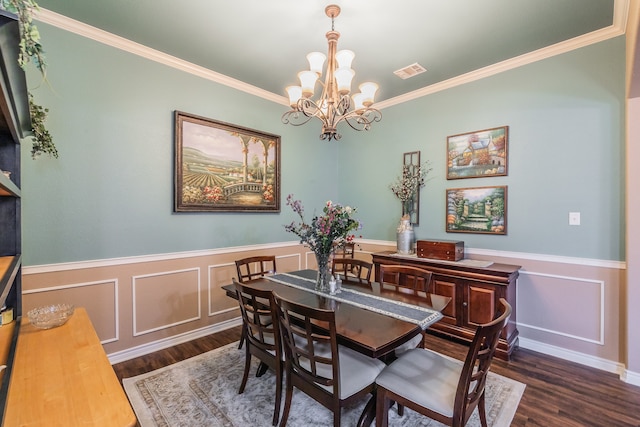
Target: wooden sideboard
(62, 377)
(475, 292)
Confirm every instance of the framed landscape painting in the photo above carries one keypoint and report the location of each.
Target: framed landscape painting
(477, 210)
(221, 167)
(482, 153)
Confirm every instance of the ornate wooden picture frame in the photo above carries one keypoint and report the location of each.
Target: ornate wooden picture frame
(480, 210)
(481, 153)
(220, 167)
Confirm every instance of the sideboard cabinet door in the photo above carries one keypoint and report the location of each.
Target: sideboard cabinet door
(448, 289)
(480, 304)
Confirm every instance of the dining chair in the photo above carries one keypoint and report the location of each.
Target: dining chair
(251, 268)
(353, 270)
(347, 250)
(406, 279)
(255, 267)
(263, 337)
(315, 364)
(442, 388)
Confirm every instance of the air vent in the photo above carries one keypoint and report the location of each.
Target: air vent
(410, 71)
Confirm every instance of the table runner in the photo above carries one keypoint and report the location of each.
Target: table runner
(306, 280)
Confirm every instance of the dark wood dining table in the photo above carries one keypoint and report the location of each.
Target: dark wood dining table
(368, 332)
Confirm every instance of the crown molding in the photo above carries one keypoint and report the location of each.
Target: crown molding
(109, 39)
(620, 15)
(618, 27)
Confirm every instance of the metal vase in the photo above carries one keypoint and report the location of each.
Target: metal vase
(406, 240)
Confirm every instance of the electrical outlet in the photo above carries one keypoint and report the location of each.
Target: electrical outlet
(574, 218)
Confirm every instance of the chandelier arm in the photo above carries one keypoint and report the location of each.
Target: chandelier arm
(295, 118)
(362, 120)
(310, 108)
(343, 105)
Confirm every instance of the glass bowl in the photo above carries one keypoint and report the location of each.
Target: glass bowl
(50, 316)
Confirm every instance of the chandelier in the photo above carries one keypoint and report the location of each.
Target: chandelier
(334, 105)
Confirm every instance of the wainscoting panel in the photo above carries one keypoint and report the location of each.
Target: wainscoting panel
(571, 306)
(100, 299)
(563, 296)
(289, 262)
(220, 275)
(173, 295)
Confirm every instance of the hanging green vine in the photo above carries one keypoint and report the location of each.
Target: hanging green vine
(42, 141)
(31, 51)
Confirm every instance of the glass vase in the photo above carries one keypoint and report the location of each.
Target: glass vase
(324, 271)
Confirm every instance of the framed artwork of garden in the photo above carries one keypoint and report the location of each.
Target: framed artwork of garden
(220, 167)
(482, 153)
(480, 210)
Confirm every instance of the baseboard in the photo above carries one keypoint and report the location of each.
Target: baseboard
(574, 356)
(132, 353)
(630, 377)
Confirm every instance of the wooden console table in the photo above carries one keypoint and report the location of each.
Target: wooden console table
(62, 377)
(475, 291)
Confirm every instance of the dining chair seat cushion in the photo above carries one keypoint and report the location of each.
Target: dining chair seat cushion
(357, 371)
(424, 377)
(264, 319)
(409, 345)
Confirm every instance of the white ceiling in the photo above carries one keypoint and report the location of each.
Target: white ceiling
(263, 43)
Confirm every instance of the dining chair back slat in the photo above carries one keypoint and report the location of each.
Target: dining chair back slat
(405, 278)
(346, 250)
(353, 271)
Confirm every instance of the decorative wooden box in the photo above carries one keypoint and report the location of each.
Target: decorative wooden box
(448, 250)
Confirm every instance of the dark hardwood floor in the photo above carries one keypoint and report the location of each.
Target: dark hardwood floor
(558, 394)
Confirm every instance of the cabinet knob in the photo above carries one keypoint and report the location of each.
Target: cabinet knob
(464, 304)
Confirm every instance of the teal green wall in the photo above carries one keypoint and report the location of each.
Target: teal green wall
(111, 192)
(566, 154)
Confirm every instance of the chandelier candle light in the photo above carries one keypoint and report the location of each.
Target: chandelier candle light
(334, 105)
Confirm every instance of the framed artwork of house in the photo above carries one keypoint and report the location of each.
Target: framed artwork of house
(482, 153)
(221, 167)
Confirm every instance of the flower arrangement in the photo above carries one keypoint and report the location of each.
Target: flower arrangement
(324, 230)
(324, 233)
(412, 179)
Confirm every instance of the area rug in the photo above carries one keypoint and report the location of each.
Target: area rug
(203, 391)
